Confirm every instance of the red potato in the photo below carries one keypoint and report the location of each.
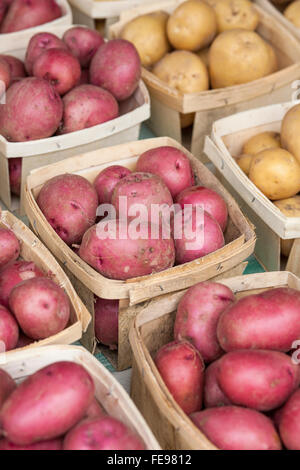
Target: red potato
(23, 14)
(95, 410)
(182, 369)
(197, 317)
(41, 307)
(5, 76)
(140, 188)
(213, 395)
(172, 165)
(122, 257)
(38, 44)
(54, 444)
(9, 247)
(87, 106)
(209, 200)
(106, 433)
(7, 386)
(235, 428)
(269, 320)
(47, 404)
(16, 66)
(9, 330)
(107, 322)
(59, 67)
(3, 9)
(199, 236)
(258, 379)
(107, 180)
(15, 175)
(69, 203)
(116, 66)
(33, 111)
(83, 43)
(288, 419)
(15, 273)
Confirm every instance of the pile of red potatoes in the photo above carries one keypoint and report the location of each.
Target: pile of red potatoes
(55, 409)
(65, 85)
(232, 369)
(16, 15)
(32, 306)
(162, 176)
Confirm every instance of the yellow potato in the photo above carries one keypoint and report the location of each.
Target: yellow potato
(148, 34)
(204, 55)
(161, 16)
(183, 71)
(276, 173)
(292, 13)
(244, 161)
(235, 14)
(290, 208)
(192, 26)
(262, 141)
(290, 135)
(238, 57)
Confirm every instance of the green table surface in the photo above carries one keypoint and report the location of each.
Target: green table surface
(253, 265)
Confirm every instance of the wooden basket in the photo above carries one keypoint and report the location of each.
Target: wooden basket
(269, 7)
(8, 40)
(89, 11)
(240, 238)
(108, 392)
(226, 142)
(33, 250)
(153, 328)
(42, 152)
(167, 103)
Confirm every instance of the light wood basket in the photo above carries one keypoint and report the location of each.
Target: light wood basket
(42, 152)
(153, 328)
(269, 7)
(109, 393)
(240, 238)
(222, 148)
(167, 103)
(33, 250)
(8, 39)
